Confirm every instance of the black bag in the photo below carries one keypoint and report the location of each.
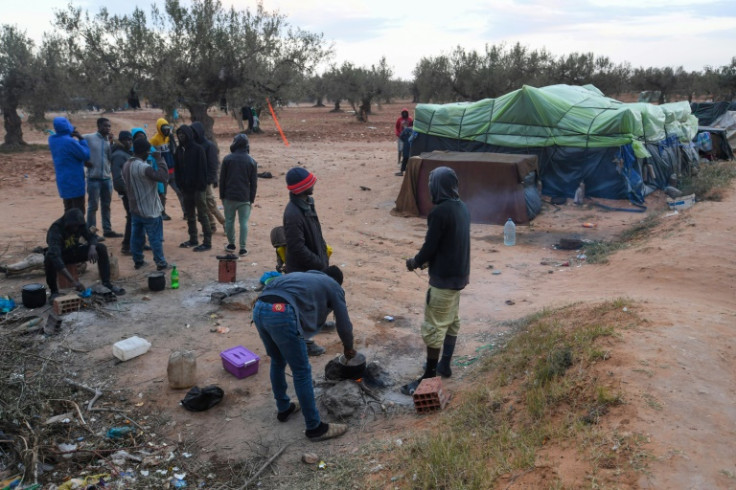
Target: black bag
(199, 400)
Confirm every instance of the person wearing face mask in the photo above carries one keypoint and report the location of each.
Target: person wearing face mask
(65, 246)
(163, 142)
(306, 249)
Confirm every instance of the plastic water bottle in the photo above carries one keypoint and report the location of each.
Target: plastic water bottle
(509, 233)
(174, 277)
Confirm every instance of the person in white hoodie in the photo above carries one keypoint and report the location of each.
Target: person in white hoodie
(141, 182)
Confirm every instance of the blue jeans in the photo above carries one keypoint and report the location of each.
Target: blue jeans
(277, 326)
(99, 190)
(154, 228)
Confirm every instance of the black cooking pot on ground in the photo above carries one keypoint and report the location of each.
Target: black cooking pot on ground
(33, 295)
(342, 368)
(156, 281)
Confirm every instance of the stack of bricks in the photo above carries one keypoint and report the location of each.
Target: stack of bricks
(429, 395)
(67, 304)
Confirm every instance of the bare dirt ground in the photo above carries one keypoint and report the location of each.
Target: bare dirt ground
(677, 370)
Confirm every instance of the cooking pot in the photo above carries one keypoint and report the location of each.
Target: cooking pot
(33, 295)
(156, 281)
(352, 368)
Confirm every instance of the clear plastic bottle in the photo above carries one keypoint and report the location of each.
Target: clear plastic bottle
(174, 277)
(509, 233)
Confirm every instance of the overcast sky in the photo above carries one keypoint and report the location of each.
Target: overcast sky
(688, 33)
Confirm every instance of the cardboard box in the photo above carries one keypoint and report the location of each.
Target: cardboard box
(240, 362)
(684, 202)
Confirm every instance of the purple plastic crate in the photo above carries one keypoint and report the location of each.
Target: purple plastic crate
(240, 361)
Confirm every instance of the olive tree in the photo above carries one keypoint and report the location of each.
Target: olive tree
(190, 54)
(16, 82)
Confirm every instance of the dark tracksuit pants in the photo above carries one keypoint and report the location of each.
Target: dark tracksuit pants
(195, 209)
(74, 256)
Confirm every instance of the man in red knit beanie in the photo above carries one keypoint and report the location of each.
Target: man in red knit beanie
(306, 249)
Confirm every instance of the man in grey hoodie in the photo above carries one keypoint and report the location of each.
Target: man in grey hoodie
(99, 177)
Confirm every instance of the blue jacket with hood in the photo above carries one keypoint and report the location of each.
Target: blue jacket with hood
(69, 156)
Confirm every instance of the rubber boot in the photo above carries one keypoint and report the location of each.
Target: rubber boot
(443, 368)
(430, 371)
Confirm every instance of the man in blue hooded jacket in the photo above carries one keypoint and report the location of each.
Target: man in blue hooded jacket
(70, 153)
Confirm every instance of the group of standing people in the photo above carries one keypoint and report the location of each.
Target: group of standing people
(141, 171)
(294, 307)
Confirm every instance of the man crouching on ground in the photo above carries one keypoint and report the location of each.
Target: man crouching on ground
(289, 310)
(65, 248)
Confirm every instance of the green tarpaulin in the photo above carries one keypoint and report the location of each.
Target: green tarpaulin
(557, 115)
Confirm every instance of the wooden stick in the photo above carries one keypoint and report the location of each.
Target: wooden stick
(96, 391)
(265, 465)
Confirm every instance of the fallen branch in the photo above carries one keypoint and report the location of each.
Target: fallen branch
(265, 465)
(96, 391)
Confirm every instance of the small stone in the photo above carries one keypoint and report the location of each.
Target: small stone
(146, 298)
(310, 458)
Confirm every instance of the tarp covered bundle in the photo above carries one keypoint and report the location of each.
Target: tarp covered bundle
(578, 134)
(494, 186)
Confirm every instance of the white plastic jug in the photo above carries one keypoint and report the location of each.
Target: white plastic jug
(182, 369)
(509, 233)
(130, 348)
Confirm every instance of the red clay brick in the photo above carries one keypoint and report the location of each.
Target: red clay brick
(429, 395)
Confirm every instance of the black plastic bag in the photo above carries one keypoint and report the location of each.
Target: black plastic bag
(201, 399)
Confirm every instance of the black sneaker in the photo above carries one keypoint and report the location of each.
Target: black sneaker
(165, 217)
(112, 234)
(202, 248)
(140, 265)
(147, 248)
(117, 291)
(188, 244)
(243, 252)
(163, 267)
(314, 350)
(409, 388)
(125, 251)
(230, 248)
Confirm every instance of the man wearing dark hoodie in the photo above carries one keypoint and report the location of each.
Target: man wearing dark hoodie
(238, 186)
(213, 167)
(121, 152)
(446, 250)
(70, 152)
(64, 247)
(191, 177)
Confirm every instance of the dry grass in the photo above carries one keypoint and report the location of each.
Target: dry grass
(711, 182)
(543, 389)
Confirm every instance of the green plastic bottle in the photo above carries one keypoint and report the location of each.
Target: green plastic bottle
(174, 277)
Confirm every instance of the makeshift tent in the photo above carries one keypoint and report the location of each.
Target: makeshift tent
(578, 135)
(494, 186)
(717, 119)
(708, 112)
